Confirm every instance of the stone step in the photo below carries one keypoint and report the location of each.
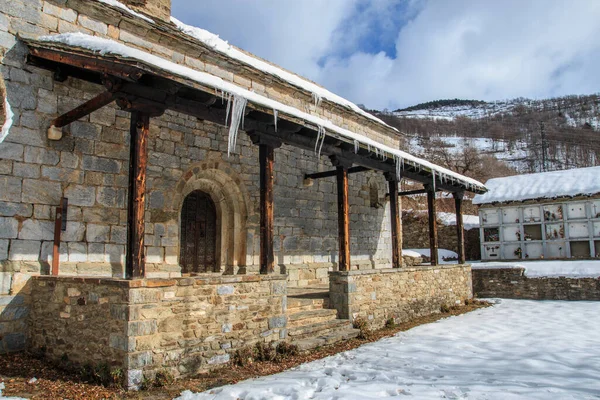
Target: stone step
(318, 329)
(310, 317)
(296, 304)
(330, 338)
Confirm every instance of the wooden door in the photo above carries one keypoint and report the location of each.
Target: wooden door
(198, 234)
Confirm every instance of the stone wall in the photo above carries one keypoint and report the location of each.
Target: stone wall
(184, 325)
(89, 165)
(415, 233)
(402, 294)
(15, 301)
(511, 283)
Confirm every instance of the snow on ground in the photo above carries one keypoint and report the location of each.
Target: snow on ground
(555, 268)
(442, 254)
(449, 219)
(570, 182)
(518, 349)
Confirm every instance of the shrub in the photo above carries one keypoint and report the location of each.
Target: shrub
(444, 308)
(285, 349)
(264, 352)
(361, 325)
(390, 323)
(243, 357)
(163, 378)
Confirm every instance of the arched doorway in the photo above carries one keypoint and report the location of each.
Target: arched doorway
(198, 234)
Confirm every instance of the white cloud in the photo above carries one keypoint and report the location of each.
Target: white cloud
(467, 49)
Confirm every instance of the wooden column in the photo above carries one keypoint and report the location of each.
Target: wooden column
(395, 221)
(267, 261)
(136, 198)
(433, 238)
(343, 213)
(458, 197)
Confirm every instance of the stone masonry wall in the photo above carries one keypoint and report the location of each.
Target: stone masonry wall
(415, 233)
(511, 283)
(402, 294)
(184, 325)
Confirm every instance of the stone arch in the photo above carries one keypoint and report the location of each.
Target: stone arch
(231, 199)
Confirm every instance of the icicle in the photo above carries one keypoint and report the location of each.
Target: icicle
(320, 140)
(275, 115)
(433, 175)
(317, 99)
(228, 108)
(238, 109)
(356, 146)
(399, 166)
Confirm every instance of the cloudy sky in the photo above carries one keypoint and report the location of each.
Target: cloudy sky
(396, 53)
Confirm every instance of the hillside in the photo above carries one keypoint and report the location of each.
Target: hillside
(529, 135)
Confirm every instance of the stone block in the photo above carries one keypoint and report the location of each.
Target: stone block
(10, 188)
(96, 252)
(134, 378)
(111, 197)
(225, 290)
(219, 359)
(8, 228)
(11, 151)
(77, 252)
(142, 328)
(80, 195)
(74, 232)
(37, 230)
(40, 155)
(278, 322)
(99, 164)
(3, 249)
(12, 342)
(41, 192)
(97, 233)
(24, 250)
(20, 283)
(5, 282)
(115, 254)
(139, 360)
(155, 255)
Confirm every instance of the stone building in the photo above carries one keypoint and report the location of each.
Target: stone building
(164, 196)
(548, 215)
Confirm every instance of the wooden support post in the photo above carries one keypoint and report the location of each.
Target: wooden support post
(395, 221)
(136, 198)
(56, 247)
(343, 213)
(433, 238)
(458, 197)
(267, 260)
(60, 225)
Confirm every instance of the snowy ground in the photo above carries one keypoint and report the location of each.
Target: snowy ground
(535, 269)
(444, 256)
(518, 349)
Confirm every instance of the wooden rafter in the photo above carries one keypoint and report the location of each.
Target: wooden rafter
(327, 174)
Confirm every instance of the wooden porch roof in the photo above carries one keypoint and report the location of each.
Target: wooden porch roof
(138, 85)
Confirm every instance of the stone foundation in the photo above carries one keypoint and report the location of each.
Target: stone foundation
(511, 283)
(184, 325)
(402, 294)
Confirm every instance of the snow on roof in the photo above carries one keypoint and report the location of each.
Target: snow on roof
(104, 46)
(123, 7)
(570, 182)
(222, 46)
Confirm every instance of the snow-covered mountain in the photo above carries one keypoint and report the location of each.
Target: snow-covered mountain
(530, 135)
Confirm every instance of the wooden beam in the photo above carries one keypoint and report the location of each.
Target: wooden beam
(343, 214)
(85, 109)
(136, 198)
(458, 198)
(395, 221)
(327, 174)
(411, 192)
(267, 260)
(433, 237)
